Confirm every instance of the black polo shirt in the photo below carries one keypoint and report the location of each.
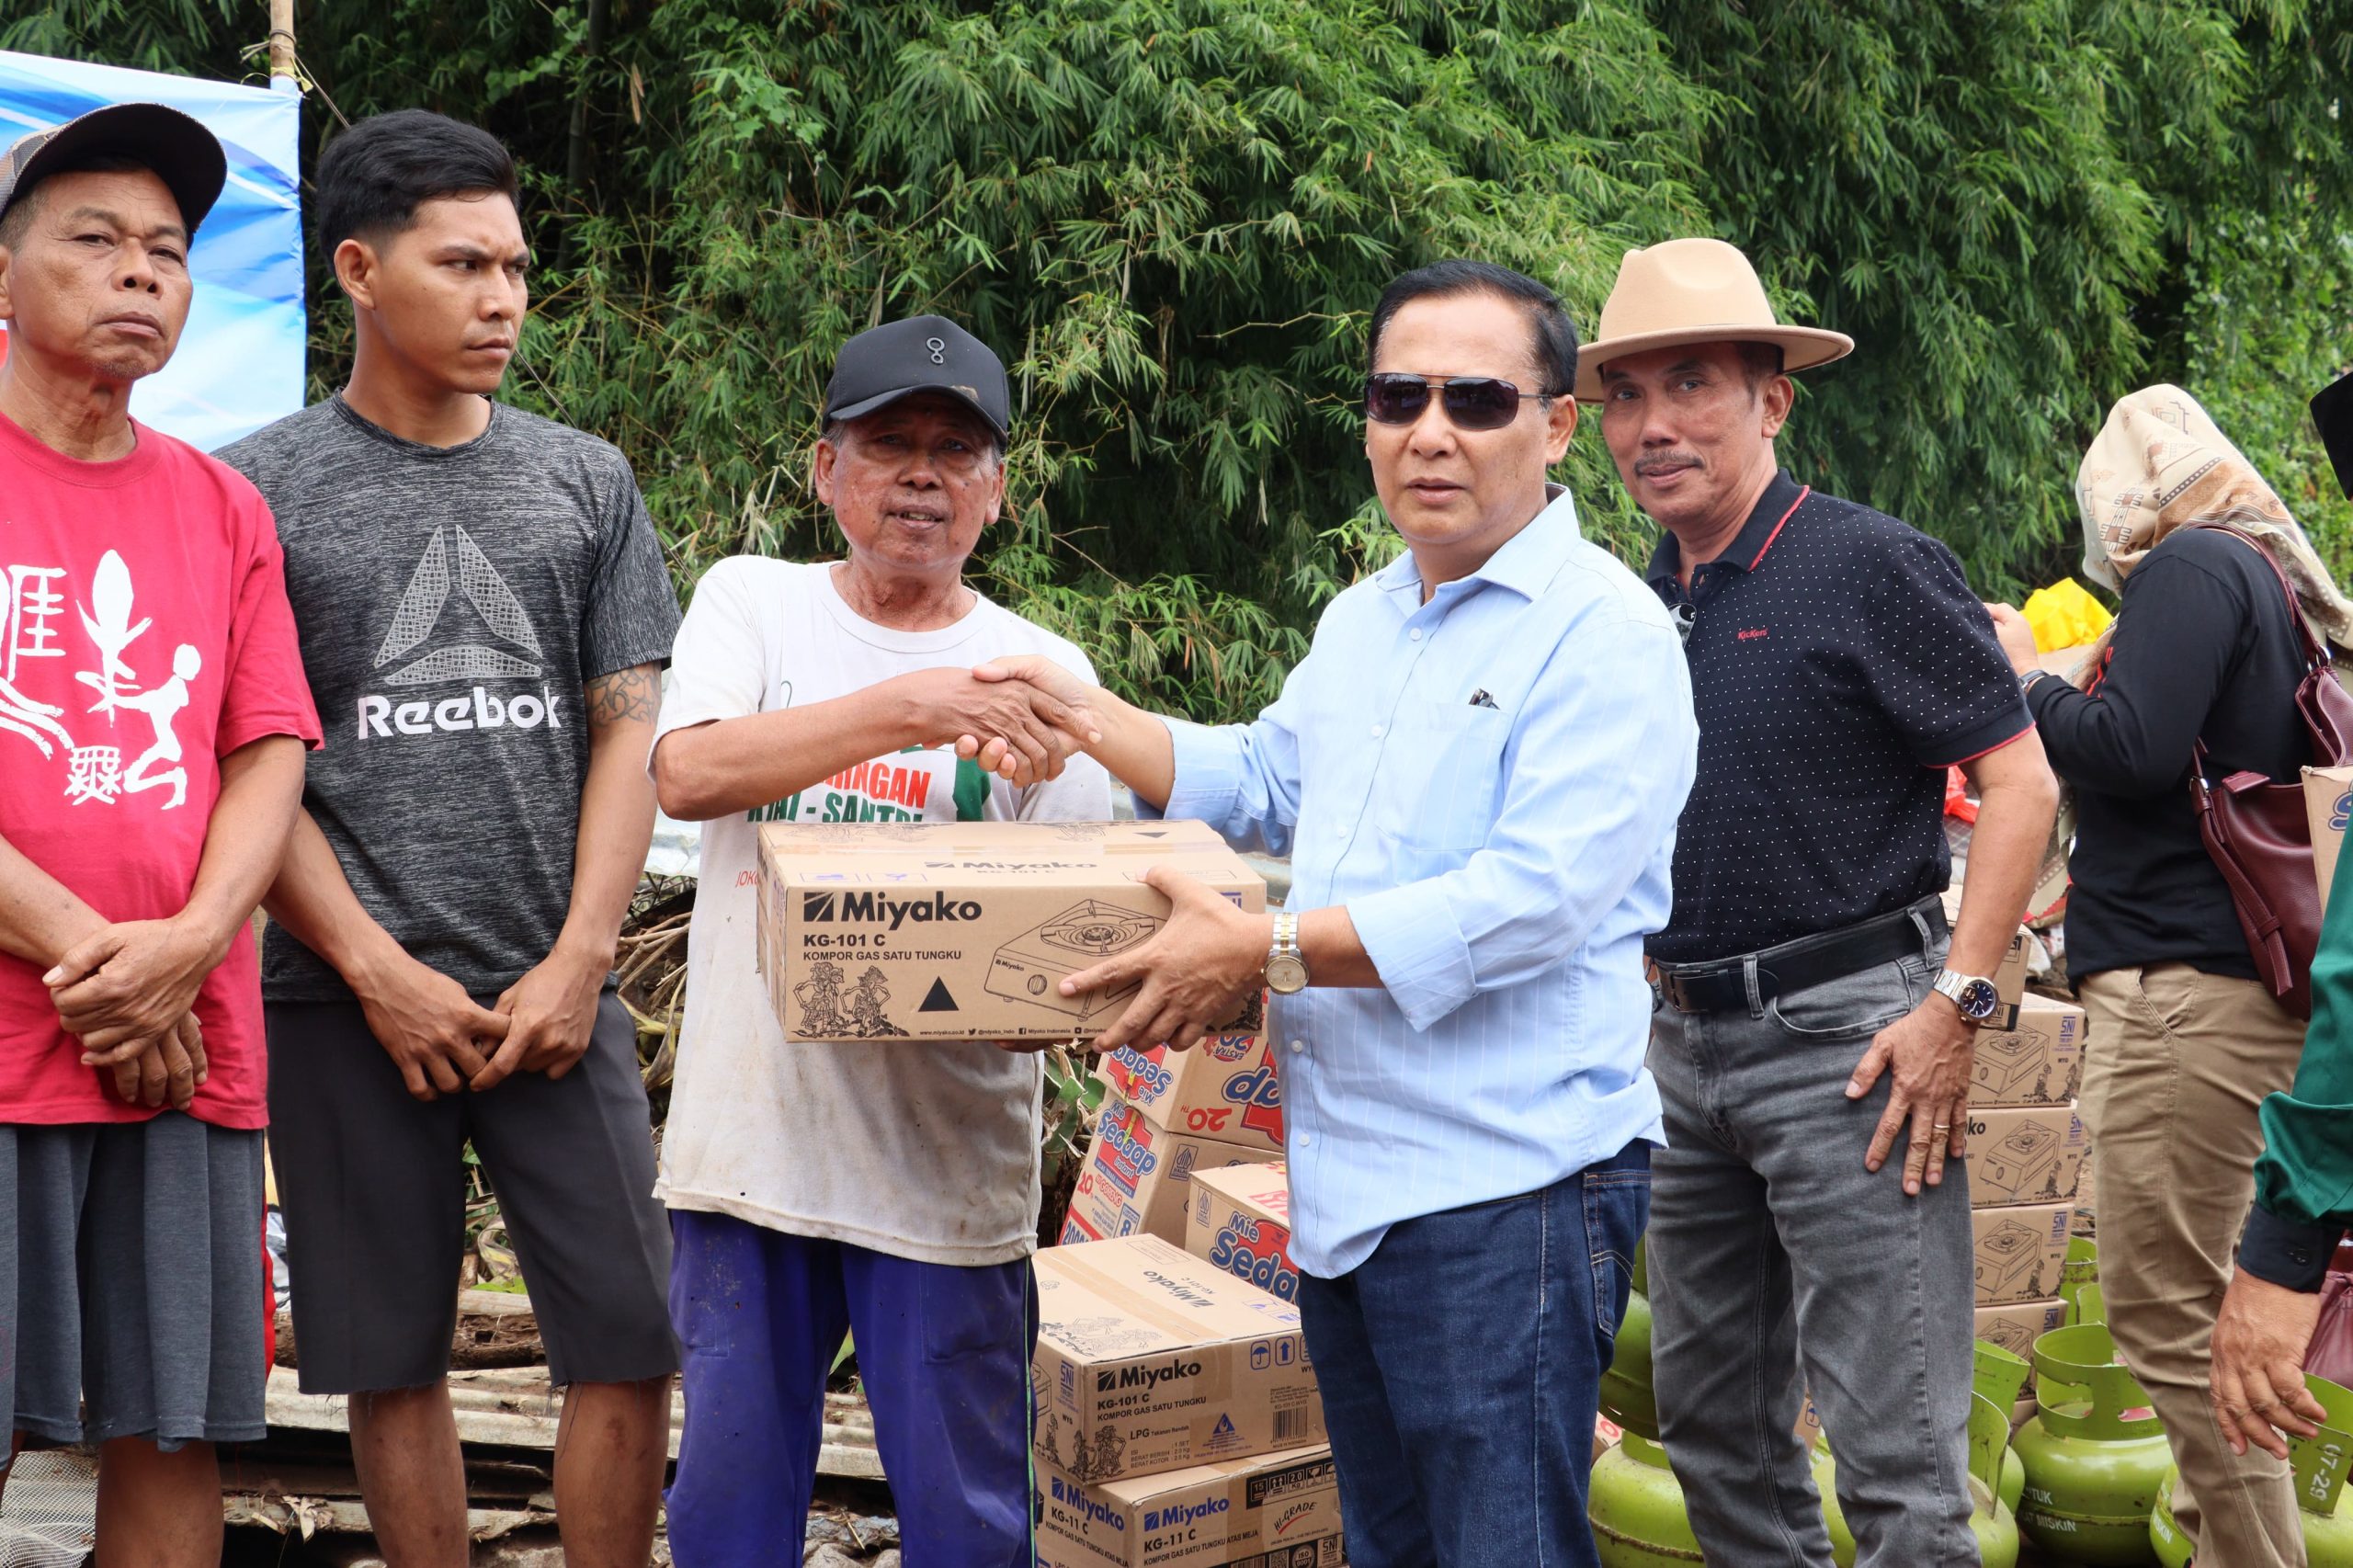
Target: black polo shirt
(1839, 663)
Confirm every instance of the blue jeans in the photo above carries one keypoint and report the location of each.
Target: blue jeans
(943, 1352)
(1461, 1367)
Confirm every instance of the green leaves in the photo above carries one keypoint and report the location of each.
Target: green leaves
(1173, 217)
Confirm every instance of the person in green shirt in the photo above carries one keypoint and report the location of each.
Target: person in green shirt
(2303, 1179)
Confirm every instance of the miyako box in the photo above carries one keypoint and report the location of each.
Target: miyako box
(966, 930)
(1225, 1088)
(2037, 1060)
(2017, 1251)
(1138, 1178)
(2025, 1153)
(1148, 1360)
(1272, 1511)
(2328, 801)
(1241, 1223)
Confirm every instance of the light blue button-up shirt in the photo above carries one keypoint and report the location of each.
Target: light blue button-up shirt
(1489, 782)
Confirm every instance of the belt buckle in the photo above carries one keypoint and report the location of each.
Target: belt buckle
(1668, 987)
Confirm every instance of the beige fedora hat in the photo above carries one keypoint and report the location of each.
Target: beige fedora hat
(1694, 292)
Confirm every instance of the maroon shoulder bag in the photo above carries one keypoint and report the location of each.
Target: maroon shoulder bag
(2257, 833)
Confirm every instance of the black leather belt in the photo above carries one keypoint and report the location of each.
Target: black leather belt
(1719, 985)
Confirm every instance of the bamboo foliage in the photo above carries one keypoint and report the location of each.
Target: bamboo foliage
(1172, 217)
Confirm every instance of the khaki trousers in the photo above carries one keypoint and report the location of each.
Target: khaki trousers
(2175, 1064)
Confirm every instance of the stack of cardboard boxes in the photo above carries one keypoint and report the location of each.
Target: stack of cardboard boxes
(1177, 1420)
(2027, 1149)
(1167, 1115)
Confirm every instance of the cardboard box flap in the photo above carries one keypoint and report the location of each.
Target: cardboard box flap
(1261, 1191)
(1166, 1292)
(1138, 1490)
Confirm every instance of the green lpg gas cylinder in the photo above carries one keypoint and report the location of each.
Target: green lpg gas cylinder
(2000, 1376)
(1990, 1518)
(2095, 1453)
(2319, 1465)
(1627, 1396)
(1636, 1507)
(2080, 1268)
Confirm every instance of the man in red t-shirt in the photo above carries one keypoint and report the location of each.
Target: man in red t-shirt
(152, 721)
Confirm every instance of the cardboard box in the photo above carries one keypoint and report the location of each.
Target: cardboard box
(2025, 1153)
(2328, 799)
(1226, 1087)
(1280, 1510)
(2017, 1250)
(1148, 1360)
(2016, 1327)
(1138, 1178)
(2037, 1060)
(966, 930)
(1241, 1222)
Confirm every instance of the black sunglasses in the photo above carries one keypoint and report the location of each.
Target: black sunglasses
(1472, 403)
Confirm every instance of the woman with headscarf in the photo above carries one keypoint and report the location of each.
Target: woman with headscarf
(2184, 1041)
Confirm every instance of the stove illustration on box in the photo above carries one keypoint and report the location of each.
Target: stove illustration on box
(2005, 1061)
(2004, 1258)
(2023, 1167)
(1032, 966)
(2011, 1335)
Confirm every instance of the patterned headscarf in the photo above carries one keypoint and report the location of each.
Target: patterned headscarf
(2160, 464)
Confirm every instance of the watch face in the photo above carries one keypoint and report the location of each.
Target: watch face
(1978, 999)
(1286, 974)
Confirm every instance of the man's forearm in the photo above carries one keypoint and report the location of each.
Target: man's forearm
(739, 765)
(314, 901)
(245, 842)
(40, 918)
(1333, 951)
(2017, 801)
(616, 827)
(1134, 748)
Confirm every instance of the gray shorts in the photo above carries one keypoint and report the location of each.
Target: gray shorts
(372, 1183)
(133, 1285)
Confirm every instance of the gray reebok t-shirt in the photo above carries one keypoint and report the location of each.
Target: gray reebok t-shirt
(451, 602)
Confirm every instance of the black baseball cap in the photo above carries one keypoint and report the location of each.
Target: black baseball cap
(185, 156)
(885, 363)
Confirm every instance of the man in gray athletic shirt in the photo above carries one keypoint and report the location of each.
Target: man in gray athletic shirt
(484, 610)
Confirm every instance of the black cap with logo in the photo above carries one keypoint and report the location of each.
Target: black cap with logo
(185, 156)
(885, 363)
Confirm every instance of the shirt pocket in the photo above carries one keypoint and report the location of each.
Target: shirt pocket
(1439, 782)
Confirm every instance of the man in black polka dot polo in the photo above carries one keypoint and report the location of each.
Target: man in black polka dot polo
(1810, 1019)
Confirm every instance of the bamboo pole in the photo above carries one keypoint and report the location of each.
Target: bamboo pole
(282, 45)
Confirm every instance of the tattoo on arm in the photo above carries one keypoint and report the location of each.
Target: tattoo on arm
(624, 697)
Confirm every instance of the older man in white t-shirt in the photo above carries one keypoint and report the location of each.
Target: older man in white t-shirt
(889, 1192)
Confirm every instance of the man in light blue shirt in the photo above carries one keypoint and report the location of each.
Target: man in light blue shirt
(1476, 772)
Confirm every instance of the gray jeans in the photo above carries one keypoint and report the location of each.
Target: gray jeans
(1776, 1262)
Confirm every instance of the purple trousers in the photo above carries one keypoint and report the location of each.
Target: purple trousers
(943, 1353)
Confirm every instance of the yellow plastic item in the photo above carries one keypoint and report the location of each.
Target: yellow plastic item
(2065, 615)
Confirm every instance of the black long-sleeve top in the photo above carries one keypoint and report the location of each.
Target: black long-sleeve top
(2204, 648)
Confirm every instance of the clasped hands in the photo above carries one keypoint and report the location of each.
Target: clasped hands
(1021, 719)
(127, 992)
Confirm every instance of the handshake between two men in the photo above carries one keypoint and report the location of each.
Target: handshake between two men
(1023, 720)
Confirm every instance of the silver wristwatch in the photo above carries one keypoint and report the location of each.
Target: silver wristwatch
(1973, 993)
(1286, 967)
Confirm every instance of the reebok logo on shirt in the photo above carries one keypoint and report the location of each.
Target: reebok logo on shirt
(472, 657)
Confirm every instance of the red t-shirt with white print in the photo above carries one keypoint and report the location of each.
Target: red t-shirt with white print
(144, 633)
